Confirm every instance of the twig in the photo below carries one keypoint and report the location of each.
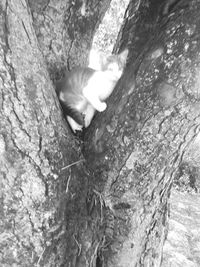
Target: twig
(40, 258)
(79, 246)
(72, 164)
(67, 187)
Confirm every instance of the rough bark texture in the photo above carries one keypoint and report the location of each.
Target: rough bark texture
(35, 220)
(182, 245)
(135, 148)
(65, 29)
(115, 213)
(46, 209)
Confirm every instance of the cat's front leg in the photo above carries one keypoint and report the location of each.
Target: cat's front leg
(89, 114)
(74, 125)
(93, 99)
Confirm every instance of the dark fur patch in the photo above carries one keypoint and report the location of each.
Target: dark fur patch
(74, 114)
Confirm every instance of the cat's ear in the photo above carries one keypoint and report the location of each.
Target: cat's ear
(123, 56)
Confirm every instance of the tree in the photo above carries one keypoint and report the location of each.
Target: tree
(65, 30)
(41, 200)
(137, 147)
(110, 210)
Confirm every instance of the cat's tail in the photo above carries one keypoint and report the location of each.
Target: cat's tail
(74, 114)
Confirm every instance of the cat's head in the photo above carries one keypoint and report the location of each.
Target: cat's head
(115, 64)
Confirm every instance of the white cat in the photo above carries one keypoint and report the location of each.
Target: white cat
(83, 90)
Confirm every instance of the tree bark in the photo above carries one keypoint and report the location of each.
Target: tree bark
(65, 30)
(44, 185)
(181, 247)
(114, 211)
(135, 148)
(41, 201)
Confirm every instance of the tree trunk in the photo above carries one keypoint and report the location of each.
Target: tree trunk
(182, 245)
(65, 30)
(43, 180)
(113, 213)
(135, 148)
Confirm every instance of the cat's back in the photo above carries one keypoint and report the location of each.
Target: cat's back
(70, 88)
(77, 79)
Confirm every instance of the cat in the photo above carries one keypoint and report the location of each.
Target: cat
(84, 90)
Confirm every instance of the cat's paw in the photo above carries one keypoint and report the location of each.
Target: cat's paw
(102, 107)
(74, 125)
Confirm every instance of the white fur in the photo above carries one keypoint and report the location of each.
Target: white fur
(74, 125)
(89, 114)
(99, 88)
(95, 60)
